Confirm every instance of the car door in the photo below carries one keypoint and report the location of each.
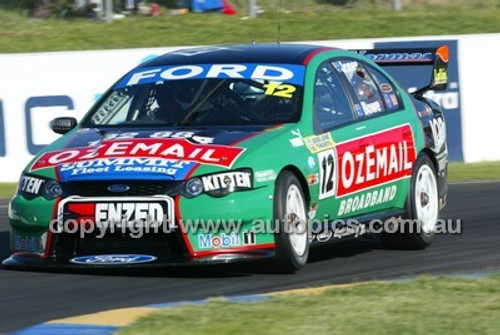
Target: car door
(375, 159)
(333, 122)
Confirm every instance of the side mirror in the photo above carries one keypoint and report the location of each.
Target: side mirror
(62, 125)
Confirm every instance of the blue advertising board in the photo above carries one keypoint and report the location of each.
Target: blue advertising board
(206, 5)
(449, 100)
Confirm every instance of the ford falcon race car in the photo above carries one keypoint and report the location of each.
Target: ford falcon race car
(237, 153)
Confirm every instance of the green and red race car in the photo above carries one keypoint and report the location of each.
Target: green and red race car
(237, 153)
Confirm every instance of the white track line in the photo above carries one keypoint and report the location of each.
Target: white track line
(4, 206)
(473, 182)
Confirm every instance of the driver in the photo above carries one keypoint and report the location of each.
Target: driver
(168, 108)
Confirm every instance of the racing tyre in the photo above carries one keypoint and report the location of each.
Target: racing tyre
(422, 207)
(292, 238)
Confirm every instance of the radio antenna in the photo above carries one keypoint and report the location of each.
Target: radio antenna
(280, 9)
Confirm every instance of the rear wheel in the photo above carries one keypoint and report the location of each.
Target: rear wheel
(292, 239)
(422, 208)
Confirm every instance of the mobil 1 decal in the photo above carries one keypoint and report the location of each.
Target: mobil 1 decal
(367, 162)
(417, 76)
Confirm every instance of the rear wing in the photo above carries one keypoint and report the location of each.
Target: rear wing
(437, 58)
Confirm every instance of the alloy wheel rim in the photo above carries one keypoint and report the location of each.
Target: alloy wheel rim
(426, 199)
(296, 220)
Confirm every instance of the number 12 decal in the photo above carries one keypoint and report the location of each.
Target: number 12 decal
(327, 173)
(279, 90)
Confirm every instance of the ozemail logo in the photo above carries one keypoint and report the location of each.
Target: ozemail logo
(375, 159)
(167, 148)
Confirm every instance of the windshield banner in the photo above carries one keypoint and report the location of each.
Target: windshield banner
(289, 73)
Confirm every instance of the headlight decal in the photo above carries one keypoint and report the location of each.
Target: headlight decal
(193, 187)
(51, 190)
(219, 184)
(31, 187)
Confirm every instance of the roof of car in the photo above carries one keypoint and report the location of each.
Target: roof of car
(252, 53)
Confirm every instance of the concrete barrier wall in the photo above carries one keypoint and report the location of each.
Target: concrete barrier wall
(37, 87)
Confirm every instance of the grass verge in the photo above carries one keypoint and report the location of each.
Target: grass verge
(474, 171)
(308, 22)
(456, 172)
(425, 306)
(7, 190)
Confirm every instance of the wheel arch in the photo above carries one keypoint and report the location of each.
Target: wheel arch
(429, 153)
(303, 183)
(424, 152)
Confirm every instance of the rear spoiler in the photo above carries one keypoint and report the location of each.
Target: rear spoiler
(438, 58)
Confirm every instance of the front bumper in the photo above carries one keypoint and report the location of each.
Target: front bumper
(30, 221)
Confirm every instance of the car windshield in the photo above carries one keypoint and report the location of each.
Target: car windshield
(199, 102)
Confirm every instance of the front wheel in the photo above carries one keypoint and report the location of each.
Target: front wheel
(422, 208)
(291, 237)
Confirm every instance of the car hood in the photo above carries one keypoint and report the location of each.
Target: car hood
(130, 154)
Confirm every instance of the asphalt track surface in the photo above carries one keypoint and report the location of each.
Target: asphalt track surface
(28, 298)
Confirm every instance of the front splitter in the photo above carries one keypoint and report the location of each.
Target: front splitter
(34, 261)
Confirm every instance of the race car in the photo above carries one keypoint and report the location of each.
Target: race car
(238, 153)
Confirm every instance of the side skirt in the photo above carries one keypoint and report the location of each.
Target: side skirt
(349, 228)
